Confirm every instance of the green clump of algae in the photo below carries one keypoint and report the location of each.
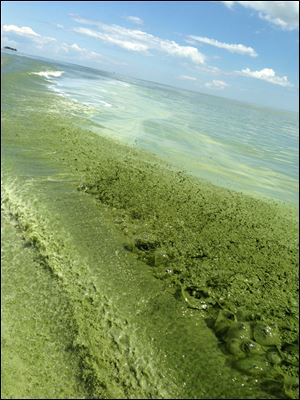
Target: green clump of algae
(230, 256)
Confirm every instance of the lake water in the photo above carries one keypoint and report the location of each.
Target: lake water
(232, 144)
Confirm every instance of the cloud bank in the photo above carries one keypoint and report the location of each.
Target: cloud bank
(266, 74)
(216, 84)
(187, 78)
(137, 40)
(232, 48)
(135, 20)
(284, 14)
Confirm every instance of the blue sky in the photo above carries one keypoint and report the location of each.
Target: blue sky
(245, 50)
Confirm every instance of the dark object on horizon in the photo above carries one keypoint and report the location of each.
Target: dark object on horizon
(10, 48)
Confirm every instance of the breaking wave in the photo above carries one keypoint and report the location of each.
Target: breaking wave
(48, 74)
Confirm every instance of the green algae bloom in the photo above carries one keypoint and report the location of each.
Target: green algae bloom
(164, 286)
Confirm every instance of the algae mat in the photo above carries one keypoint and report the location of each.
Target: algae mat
(124, 278)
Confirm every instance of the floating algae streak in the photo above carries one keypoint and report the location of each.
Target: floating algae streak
(126, 278)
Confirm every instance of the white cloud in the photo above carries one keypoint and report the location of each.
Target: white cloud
(29, 33)
(138, 41)
(60, 26)
(125, 44)
(20, 30)
(135, 20)
(284, 14)
(171, 47)
(85, 52)
(210, 69)
(75, 47)
(69, 47)
(216, 84)
(266, 74)
(187, 78)
(233, 48)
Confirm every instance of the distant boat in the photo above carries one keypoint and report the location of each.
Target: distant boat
(10, 48)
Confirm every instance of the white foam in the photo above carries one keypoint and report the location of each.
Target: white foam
(49, 74)
(57, 91)
(105, 104)
(119, 83)
(124, 84)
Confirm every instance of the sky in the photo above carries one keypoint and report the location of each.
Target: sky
(243, 50)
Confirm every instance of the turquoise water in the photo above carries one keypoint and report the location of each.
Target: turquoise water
(232, 144)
